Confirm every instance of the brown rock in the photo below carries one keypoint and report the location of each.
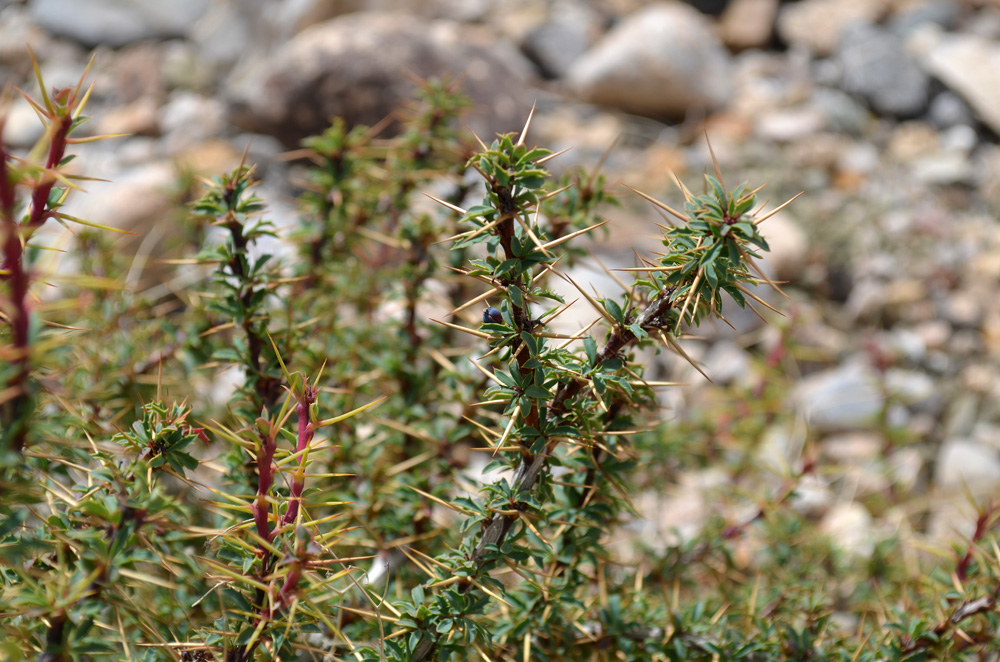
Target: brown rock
(748, 23)
(363, 66)
(138, 118)
(208, 158)
(817, 24)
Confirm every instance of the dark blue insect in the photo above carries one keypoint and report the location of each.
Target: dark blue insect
(492, 316)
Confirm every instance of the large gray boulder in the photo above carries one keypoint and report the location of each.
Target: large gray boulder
(116, 23)
(877, 67)
(365, 66)
(661, 61)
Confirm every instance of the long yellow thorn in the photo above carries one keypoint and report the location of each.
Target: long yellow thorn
(665, 207)
(524, 131)
(471, 332)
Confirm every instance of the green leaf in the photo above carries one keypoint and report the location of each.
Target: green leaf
(537, 392)
(710, 276)
(614, 310)
(590, 346)
(516, 296)
(140, 431)
(227, 354)
(505, 378)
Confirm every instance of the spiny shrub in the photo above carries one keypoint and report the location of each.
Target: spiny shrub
(281, 462)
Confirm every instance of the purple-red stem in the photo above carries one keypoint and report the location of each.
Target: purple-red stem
(265, 476)
(287, 589)
(983, 525)
(306, 432)
(13, 233)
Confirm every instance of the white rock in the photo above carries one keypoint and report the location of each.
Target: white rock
(907, 343)
(16, 31)
(189, 118)
(933, 333)
(812, 496)
(780, 447)
(962, 462)
(987, 435)
(661, 62)
(727, 362)
(22, 126)
(845, 397)
(789, 245)
(909, 386)
(970, 66)
(788, 124)
(946, 168)
(682, 515)
(849, 526)
(904, 468)
(860, 158)
(853, 447)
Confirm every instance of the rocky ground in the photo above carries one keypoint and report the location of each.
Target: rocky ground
(883, 112)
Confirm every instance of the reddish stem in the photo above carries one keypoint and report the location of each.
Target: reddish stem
(13, 233)
(287, 590)
(265, 476)
(306, 432)
(983, 524)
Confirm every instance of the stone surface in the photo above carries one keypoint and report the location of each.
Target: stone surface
(17, 30)
(916, 15)
(934, 156)
(789, 247)
(680, 516)
(188, 118)
(909, 387)
(138, 118)
(877, 67)
(786, 125)
(556, 44)
(133, 200)
(970, 67)
(947, 109)
(853, 447)
(965, 463)
(727, 362)
(849, 526)
(816, 25)
(748, 23)
(361, 67)
(115, 23)
(779, 447)
(845, 397)
(225, 33)
(136, 199)
(22, 126)
(662, 61)
(964, 310)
